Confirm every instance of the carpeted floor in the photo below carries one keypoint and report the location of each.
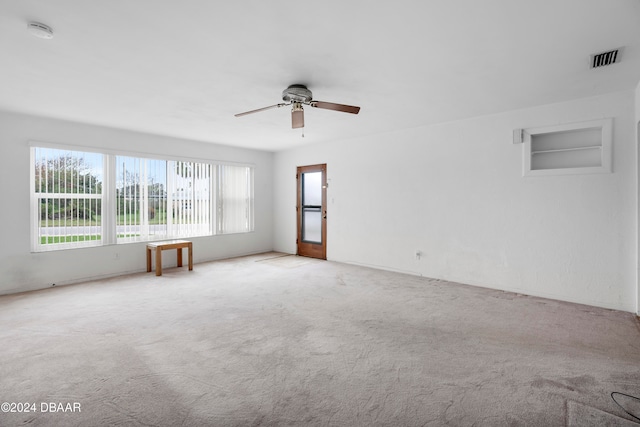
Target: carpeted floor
(281, 340)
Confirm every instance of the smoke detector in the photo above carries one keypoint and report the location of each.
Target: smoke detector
(40, 30)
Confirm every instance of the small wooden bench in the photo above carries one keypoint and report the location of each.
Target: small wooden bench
(163, 246)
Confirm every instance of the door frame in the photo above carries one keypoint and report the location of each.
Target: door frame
(309, 249)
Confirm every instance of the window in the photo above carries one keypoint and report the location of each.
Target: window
(159, 199)
(87, 199)
(67, 198)
(568, 149)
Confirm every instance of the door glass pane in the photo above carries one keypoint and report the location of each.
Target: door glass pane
(311, 225)
(312, 189)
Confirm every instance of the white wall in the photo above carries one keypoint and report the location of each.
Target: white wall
(455, 192)
(21, 270)
(637, 139)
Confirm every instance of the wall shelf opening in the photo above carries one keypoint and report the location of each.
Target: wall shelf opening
(576, 148)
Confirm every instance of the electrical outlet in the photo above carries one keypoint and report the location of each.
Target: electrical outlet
(418, 254)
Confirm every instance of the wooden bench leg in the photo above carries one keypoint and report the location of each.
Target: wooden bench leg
(148, 260)
(190, 246)
(179, 251)
(158, 262)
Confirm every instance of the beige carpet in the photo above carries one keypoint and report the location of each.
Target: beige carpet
(274, 340)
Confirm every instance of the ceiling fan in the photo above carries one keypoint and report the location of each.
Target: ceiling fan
(297, 96)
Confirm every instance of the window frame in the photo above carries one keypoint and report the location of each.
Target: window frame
(35, 220)
(108, 232)
(177, 218)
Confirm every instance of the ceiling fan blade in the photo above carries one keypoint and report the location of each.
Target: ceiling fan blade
(336, 107)
(260, 109)
(297, 119)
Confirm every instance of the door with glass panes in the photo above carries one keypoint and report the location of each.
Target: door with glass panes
(311, 210)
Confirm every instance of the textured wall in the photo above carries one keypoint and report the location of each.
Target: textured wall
(637, 139)
(455, 192)
(21, 270)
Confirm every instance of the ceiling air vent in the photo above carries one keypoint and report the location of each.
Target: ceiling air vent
(605, 58)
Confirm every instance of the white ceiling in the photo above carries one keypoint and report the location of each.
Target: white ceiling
(184, 68)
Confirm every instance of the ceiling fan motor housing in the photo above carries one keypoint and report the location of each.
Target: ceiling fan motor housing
(297, 93)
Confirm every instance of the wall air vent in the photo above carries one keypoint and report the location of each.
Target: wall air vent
(606, 58)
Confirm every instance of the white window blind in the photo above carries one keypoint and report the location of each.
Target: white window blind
(235, 199)
(189, 186)
(159, 199)
(141, 209)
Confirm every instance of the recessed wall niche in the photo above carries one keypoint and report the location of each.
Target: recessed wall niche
(576, 148)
